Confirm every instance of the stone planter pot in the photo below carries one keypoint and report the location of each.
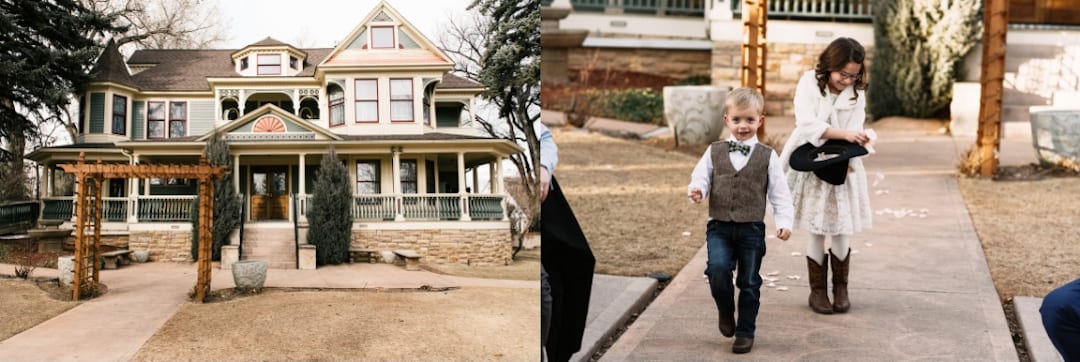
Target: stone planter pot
(141, 256)
(65, 266)
(695, 113)
(1055, 133)
(249, 275)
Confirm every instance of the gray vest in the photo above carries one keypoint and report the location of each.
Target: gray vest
(739, 196)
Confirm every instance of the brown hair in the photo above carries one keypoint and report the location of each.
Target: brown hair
(835, 57)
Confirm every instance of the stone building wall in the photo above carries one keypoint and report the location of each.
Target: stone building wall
(676, 64)
(164, 245)
(786, 63)
(442, 246)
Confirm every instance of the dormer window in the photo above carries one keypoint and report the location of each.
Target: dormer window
(269, 64)
(244, 63)
(294, 63)
(382, 37)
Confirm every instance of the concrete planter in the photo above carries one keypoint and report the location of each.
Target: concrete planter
(65, 266)
(249, 275)
(695, 113)
(140, 256)
(1055, 133)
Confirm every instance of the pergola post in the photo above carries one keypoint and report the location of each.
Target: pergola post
(995, 25)
(754, 50)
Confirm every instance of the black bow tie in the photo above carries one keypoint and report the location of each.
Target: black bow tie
(736, 146)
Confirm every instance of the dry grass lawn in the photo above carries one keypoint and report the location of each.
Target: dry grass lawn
(608, 181)
(23, 305)
(1028, 231)
(472, 324)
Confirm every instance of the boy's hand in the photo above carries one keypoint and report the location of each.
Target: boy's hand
(545, 183)
(695, 195)
(783, 234)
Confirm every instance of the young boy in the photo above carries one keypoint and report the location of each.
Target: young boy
(739, 175)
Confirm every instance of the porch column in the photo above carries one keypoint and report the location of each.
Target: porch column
(301, 199)
(296, 102)
(236, 173)
(493, 169)
(475, 181)
(242, 99)
(133, 195)
(400, 216)
(436, 171)
(461, 187)
(49, 179)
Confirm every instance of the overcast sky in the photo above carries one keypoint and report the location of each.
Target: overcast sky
(323, 23)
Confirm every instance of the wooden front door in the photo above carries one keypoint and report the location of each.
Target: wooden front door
(269, 193)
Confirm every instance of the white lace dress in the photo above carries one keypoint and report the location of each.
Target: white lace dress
(821, 207)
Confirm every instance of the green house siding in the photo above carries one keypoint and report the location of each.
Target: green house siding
(201, 118)
(138, 120)
(97, 113)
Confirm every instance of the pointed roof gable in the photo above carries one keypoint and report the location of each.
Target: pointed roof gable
(267, 42)
(290, 120)
(110, 67)
(412, 48)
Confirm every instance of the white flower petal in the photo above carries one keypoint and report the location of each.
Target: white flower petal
(795, 253)
(781, 288)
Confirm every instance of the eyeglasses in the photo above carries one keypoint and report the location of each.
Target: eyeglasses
(851, 77)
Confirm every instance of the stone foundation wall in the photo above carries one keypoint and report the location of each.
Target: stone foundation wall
(163, 245)
(472, 247)
(786, 63)
(114, 241)
(676, 64)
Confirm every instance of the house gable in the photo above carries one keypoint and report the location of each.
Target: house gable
(271, 123)
(385, 38)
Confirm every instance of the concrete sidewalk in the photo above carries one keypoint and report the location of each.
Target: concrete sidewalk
(142, 297)
(920, 286)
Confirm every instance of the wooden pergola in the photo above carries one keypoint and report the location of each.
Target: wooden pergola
(88, 205)
(754, 48)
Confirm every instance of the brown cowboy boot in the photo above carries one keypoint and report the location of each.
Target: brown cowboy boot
(819, 279)
(841, 303)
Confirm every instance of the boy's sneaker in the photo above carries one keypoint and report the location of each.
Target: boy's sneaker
(742, 345)
(727, 324)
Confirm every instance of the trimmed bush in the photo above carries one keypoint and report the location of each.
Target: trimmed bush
(640, 105)
(918, 51)
(329, 215)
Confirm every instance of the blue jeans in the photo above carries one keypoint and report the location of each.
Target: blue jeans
(731, 245)
(1061, 317)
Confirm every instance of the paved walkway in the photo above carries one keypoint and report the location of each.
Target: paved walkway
(142, 297)
(920, 286)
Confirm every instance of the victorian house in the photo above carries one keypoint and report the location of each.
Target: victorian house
(383, 99)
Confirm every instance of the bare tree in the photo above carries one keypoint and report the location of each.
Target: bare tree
(163, 24)
(478, 45)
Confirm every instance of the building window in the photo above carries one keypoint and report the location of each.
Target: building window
(408, 176)
(155, 119)
(294, 63)
(367, 100)
(367, 177)
(244, 63)
(119, 118)
(269, 64)
(161, 124)
(401, 100)
(337, 105)
(177, 119)
(382, 37)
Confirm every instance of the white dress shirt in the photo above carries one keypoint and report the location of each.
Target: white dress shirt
(778, 193)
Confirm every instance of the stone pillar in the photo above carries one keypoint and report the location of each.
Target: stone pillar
(307, 257)
(555, 43)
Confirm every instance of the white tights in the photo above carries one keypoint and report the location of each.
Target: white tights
(815, 248)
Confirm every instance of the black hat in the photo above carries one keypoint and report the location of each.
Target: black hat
(829, 161)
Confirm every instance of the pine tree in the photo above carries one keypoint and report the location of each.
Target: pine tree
(918, 48)
(226, 203)
(329, 215)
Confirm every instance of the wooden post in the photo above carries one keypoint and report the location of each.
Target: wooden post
(754, 48)
(98, 203)
(206, 227)
(79, 201)
(995, 17)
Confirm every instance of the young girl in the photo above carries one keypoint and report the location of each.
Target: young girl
(830, 103)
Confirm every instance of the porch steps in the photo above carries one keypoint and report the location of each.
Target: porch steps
(272, 242)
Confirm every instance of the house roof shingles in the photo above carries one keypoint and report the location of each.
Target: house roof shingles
(450, 81)
(110, 67)
(188, 69)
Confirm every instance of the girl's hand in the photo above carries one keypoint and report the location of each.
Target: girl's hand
(859, 137)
